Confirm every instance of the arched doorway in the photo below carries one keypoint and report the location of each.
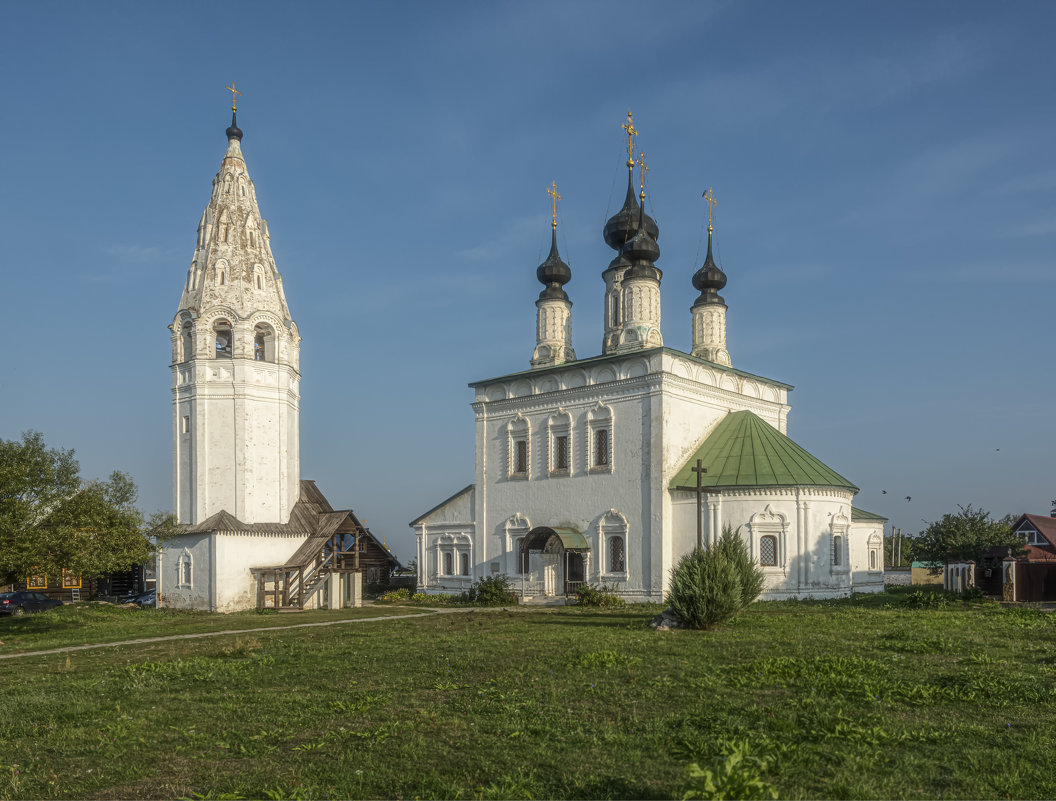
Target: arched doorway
(556, 560)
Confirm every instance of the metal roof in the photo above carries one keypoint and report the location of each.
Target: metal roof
(743, 450)
(861, 514)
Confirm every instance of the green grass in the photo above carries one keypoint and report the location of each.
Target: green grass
(850, 699)
(81, 624)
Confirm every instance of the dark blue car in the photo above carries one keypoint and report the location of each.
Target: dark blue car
(18, 603)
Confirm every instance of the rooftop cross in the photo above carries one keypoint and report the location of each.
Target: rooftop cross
(554, 198)
(631, 133)
(233, 92)
(709, 198)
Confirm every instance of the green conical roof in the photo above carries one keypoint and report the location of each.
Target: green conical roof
(745, 451)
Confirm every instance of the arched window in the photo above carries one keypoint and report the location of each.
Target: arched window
(183, 570)
(263, 343)
(599, 439)
(187, 335)
(448, 564)
(617, 555)
(872, 559)
(560, 428)
(768, 550)
(612, 545)
(464, 557)
(224, 339)
(837, 549)
(519, 432)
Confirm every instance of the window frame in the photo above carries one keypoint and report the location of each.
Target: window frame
(519, 436)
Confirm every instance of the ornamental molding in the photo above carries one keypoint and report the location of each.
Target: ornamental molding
(574, 398)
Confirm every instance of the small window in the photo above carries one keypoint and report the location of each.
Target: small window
(768, 550)
(448, 564)
(617, 555)
(520, 462)
(70, 580)
(601, 447)
(837, 547)
(872, 559)
(258, 346)
(464, 558)
(260, 279)
(561, 452)
(37, 581)
(185, 424)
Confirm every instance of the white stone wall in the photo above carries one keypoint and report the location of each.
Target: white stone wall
(804, 520)
(866, 536)
(173, 592)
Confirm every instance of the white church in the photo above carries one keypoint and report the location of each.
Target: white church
(586, 469)
(252, 533)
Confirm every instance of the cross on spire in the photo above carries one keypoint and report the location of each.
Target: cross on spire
(233, 92)
(631, 133)
(554, 198)
(709, 198)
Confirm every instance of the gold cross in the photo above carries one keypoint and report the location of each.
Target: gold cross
(554, 198)
(709, 198)
(233, 92)
(642, 171)
(631, 133)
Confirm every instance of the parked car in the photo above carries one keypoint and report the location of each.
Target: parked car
(18, 603)
(148, 598)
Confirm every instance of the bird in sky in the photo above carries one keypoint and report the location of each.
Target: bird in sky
(883, 492)
(908, 498)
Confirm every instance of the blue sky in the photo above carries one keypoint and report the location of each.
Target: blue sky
(886, 217)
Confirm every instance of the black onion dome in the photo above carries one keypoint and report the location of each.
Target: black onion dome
(553, 270)
(642, 246)
(709, 279)
(623, 224)
(234, 132)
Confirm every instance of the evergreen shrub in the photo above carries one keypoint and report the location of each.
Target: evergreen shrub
(705, 588)
(749, 573)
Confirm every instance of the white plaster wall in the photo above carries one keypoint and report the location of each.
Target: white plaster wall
(579, 499)
(236, 588)
(862, 578)
(198, 595)
(241, 453)
(805, 519)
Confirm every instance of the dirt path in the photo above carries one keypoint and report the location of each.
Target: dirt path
(68, 648)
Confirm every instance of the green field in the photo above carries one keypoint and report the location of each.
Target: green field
(866, 698)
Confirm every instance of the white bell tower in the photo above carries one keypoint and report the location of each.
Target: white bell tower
(235, 365)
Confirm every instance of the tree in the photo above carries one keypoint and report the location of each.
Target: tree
(51, 520)
(964, 536)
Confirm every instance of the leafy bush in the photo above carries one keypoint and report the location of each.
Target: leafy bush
(735, 773)
(929, 599)
(589, 595)
(402, 594)
(749, 573)
(491, 591)
(705, 588)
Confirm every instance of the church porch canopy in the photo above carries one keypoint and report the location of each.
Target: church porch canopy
(545, 538)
